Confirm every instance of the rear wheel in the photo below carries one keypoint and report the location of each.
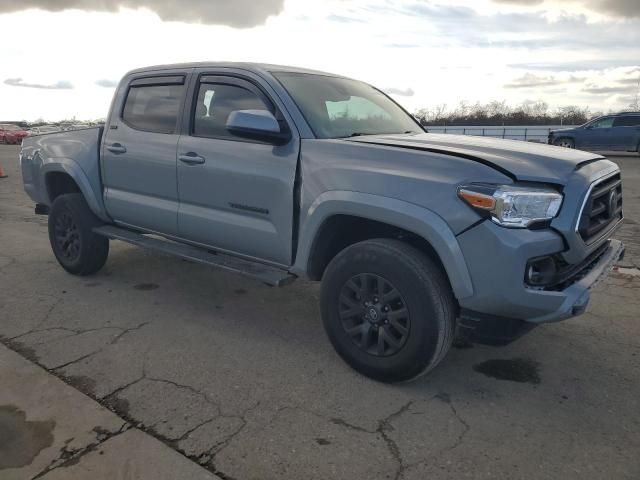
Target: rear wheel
(76, 247)
(388, 310)
(565, 142)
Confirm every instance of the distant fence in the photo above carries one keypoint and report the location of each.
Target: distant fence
(526, 133)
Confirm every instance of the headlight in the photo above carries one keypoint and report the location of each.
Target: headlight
(513, 206)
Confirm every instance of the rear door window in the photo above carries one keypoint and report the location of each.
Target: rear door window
(603, 123)
(153, 108)
(627, 121)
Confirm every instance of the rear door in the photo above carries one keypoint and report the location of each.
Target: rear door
(598, 135)
(236, 194)
(139, 153)
(625, 134)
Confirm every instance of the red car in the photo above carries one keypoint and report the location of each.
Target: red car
(12, 134)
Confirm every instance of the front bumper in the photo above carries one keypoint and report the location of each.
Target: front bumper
(497, 259)
(577, 295)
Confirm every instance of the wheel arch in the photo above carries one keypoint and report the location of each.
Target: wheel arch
(65, 176)
(338, 219)
(567, 136)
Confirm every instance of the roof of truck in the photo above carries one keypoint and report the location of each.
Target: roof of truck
(255, 67)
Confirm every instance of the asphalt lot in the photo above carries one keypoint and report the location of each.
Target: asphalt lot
(240, 377)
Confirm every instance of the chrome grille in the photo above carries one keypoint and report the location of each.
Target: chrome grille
(602, 208)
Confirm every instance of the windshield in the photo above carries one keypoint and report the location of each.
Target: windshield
(10, 128)
(339, 107)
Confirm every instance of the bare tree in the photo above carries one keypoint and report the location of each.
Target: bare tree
(635, 104)
(499, 113)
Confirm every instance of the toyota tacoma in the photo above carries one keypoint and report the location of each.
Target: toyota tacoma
(278, 172)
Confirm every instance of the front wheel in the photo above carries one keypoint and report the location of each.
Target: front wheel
(76, 247)
(388, 309)
(565, 142)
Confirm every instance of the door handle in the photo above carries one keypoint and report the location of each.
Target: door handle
(116, 148)
(191, 158)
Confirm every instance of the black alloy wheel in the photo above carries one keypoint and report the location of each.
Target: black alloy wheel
(67, 236)
(374, 314)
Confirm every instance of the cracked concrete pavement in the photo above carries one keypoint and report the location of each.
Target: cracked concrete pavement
(49, 430)
(240, 378)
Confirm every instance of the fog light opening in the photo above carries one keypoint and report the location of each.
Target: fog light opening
(540, 271)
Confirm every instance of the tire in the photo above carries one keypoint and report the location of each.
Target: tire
(416, 307)
(565, 142)
(75, 246)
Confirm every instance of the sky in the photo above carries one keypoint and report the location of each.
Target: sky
(63, 58)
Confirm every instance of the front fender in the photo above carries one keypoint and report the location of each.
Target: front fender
(408, 216)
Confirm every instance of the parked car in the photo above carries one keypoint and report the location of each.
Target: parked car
(619, 132)
(278, 172)
(44, 129)
(12, 134)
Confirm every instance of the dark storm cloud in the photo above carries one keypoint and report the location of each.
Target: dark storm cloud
(18, 82)
(234, 13)
(618, 8)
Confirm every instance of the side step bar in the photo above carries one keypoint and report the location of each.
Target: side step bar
(265, 273)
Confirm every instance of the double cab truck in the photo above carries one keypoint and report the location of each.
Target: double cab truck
(277, 173)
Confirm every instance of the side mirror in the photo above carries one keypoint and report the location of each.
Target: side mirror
(589, 127)
(257, 125)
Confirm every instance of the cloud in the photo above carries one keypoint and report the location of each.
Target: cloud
(18, 82)
(622, 8)
(234, 13)
(616, 8)
(344, 19)
(403, 92)
(106, 83)
(630, 81)
(402, 45)
(577, 66)
(531, 80)
(608, 90)
(498, 28)
(520, 2)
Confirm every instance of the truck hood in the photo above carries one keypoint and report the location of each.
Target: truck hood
(524, 161)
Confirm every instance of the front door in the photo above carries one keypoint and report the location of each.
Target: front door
(235, 194)
(597, 135)
(139, 154)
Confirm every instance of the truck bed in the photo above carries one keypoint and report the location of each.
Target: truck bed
(75, 152)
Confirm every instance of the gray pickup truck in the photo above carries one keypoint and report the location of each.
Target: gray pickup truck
(277, 172)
